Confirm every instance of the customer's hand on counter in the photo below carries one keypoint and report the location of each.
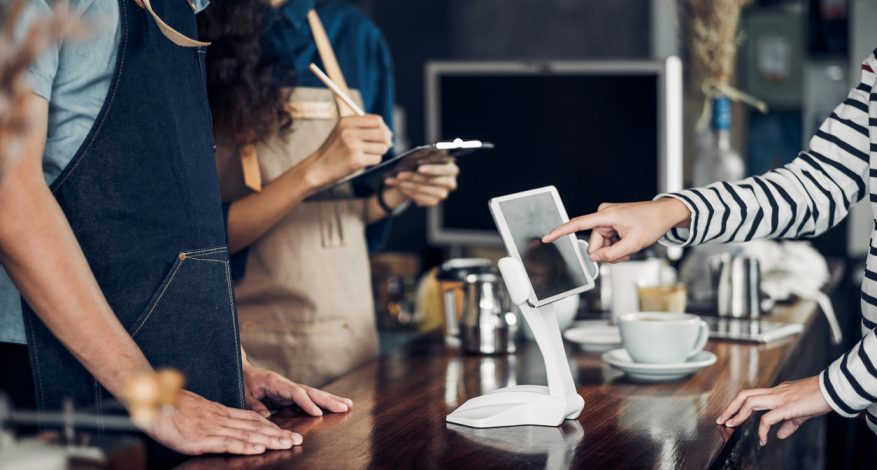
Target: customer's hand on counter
(200, 426)
(262, 385)
(790, 403)
(427, 187)
(620, 230)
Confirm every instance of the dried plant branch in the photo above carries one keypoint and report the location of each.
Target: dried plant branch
(15, 57)
(713, 35)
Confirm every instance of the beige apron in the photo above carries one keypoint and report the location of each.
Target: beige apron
(305, 304)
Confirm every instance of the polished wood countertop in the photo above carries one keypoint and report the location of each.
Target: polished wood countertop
(401, 400)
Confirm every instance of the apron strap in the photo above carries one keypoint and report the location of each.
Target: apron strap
(327, 55)
(250, 167)
(175, 36)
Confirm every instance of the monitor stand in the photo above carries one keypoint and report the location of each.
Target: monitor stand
(528, 404)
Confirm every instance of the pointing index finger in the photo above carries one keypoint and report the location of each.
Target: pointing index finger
(585, 222)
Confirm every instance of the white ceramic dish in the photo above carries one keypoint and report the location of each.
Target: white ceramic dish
(594, 336)
(620, 359)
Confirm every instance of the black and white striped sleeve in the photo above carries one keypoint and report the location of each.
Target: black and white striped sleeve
(802, 199)
(849, 384)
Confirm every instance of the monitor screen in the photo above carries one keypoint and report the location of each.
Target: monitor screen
(595, 136)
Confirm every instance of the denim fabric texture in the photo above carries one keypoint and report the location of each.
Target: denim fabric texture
(142, 197)
(74, 77)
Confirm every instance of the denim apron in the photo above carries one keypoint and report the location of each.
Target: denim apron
(142, 197)
(305, 302)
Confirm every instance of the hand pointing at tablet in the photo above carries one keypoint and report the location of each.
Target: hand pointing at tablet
(620, 230)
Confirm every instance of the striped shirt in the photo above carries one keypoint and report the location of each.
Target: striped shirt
(804, 199)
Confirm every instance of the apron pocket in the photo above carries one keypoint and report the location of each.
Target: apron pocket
(311, 353)
(190, 324)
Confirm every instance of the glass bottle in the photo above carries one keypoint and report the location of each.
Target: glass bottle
(716, 160)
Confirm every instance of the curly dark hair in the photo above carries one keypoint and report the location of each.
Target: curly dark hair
(247, 106)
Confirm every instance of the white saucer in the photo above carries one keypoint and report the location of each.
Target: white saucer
(620, 359)
(594, 336)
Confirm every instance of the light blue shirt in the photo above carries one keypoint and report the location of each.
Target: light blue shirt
(74, 76)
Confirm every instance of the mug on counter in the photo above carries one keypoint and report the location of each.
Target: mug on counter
(662, 337)
(623, 280)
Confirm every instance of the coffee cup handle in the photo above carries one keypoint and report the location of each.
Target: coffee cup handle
(702, 337)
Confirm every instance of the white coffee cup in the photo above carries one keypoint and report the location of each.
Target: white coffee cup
(662, 337)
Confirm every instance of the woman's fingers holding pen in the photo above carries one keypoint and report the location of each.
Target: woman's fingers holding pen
(356, 142)
(370, 122)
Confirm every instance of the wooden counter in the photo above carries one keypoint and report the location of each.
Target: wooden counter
(401, 401)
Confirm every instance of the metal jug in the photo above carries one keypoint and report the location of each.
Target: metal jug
(451, 276)
(488, 324)
(737, 281)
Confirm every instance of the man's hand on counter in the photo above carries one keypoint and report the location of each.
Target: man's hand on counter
(262, 385)
(790, 403)
(200, 426)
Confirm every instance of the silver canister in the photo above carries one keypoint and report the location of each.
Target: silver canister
(738, 286)
(488, 325)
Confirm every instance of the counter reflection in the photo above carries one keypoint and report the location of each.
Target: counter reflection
(558, 444)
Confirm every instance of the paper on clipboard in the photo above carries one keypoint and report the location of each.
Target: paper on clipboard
(439, 152)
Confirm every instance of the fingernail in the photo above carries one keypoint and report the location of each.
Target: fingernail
(719, 420)
(265, 413)
(761, 443)
(260, 448)
(297, 439)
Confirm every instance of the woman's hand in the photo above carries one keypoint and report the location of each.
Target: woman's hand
(200, 426)
(791, 403)
(355, 143)
(620, 230)
(262, 385)
(427, 187)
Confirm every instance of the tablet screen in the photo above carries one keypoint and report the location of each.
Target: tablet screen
(553, 268)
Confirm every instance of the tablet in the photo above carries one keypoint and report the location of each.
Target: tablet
(556, 270)
(752, 331)
(437, 153)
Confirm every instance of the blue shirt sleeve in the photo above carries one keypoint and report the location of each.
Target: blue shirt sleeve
(380, 100)
(41, 73)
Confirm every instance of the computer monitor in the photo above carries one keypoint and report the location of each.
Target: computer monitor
(601, 131)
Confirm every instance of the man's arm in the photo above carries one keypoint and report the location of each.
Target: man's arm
(42, 256)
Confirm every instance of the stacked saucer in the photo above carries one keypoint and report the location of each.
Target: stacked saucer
(643, 372)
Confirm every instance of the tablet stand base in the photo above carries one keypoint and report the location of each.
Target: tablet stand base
(528, 404)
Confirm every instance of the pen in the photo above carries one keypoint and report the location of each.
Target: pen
(336, 90)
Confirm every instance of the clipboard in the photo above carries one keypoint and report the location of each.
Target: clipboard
(372, 177)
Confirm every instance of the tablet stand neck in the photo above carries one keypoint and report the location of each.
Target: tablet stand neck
(528, 404)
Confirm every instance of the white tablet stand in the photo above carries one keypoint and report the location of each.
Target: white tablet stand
(528, 404)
